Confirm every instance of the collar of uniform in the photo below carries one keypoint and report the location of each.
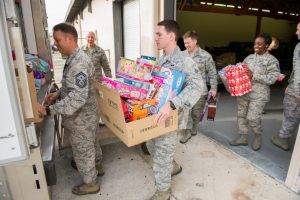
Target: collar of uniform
(84, 48)
(264, 54)
(170, 57)
(72, 56)
(196, 53)
(95, 49)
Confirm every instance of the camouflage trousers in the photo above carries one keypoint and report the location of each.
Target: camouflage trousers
(163, 150)
(86, 149)
(291, 116)
(196, 112)
(249, 113)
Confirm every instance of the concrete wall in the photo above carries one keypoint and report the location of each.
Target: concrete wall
(219, 29)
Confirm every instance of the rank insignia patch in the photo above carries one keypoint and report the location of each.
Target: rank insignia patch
(80, 80)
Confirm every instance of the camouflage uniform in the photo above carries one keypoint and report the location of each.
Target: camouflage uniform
(80, 113)
(163, 148)
(208, 71)
(291, 114)
(265, 70)
(99, 60)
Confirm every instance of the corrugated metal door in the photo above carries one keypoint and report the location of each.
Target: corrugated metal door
(131, 28)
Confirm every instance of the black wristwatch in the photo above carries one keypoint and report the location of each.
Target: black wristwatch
(172, 105)
(48, 111)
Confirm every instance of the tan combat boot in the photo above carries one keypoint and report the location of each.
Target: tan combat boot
(193, 132)
(100, 170)
(186, 135)
(161, 195)
(282, 143)
(242, 140)
(256, 144)
(176, 168)
(86, 188)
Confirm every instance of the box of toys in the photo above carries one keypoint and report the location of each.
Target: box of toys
(135, 132)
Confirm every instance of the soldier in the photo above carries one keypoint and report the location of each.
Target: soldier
(291, 101)
(97, 56)
(163, 148)
(206, 66)
(264, 70)
(76, 102)
(100, 62)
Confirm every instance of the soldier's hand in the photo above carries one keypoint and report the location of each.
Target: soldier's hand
(250, 73)
(42, 110)
(213, 93)
(50, 98)
(163, 114)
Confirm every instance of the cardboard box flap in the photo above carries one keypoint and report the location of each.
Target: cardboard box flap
(110, 102)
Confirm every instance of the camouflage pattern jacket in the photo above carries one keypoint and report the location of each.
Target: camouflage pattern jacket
(77, 101)
(193, 85)
(294, 81)
(265, 70)
(207, 68)
(99, 60)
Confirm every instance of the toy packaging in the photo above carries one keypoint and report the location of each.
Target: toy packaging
(222, 75)
(139, 109)
(127, 67)
(171, 82)
(148, 59)
(124, 89)
(238, 79)
(136, 83)
(211, 109)
(138, 70)
(143, 71)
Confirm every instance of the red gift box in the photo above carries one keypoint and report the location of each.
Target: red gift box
(238, 79)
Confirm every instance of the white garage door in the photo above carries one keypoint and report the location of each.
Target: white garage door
(131, 28)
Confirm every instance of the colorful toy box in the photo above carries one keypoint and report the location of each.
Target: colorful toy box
(139, 109)
(126, 67)
(171, 83)
(125, 90)
(148, 59)
(138, 70)
(143, 71)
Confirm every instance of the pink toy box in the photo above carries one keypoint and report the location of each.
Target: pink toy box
(125, 90)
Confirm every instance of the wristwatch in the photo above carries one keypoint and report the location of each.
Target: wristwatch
(48, 111)
(172, 105)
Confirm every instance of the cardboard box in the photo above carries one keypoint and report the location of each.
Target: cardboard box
(131, 133)
(33, 99)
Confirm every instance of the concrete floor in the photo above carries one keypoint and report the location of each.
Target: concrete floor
(211, 171)
(269, 158)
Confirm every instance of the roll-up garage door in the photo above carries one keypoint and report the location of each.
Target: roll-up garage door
(131, 28)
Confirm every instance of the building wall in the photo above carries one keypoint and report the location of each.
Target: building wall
(100, 21)
(219, 29)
